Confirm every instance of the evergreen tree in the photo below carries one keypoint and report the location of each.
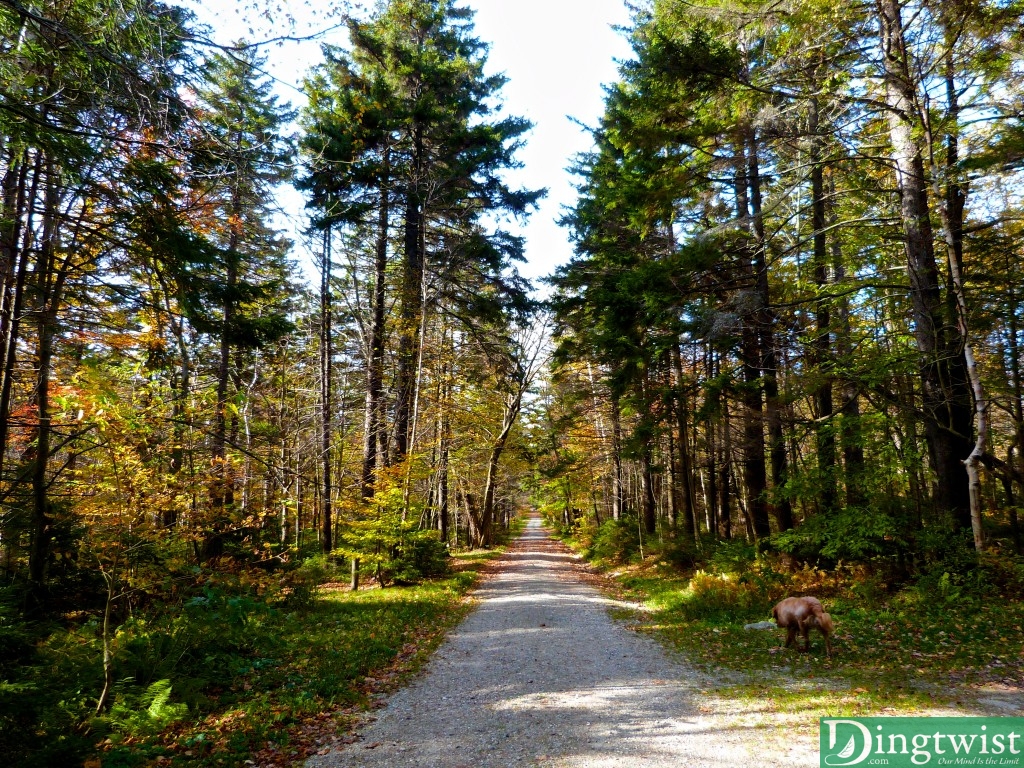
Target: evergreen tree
(241, 159)
(401, 135)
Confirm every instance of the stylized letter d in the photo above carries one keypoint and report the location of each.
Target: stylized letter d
(841, 758)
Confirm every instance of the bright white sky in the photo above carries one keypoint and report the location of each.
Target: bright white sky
(556, 55)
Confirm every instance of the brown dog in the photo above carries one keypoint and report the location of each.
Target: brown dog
(805, 614)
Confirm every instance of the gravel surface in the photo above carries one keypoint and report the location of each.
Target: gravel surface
(540, 675)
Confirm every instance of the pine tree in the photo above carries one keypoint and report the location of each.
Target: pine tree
(401, 136)
(242, 157)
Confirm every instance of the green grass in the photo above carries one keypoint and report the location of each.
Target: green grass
(894, 654)
(263, 679)
(330, 659)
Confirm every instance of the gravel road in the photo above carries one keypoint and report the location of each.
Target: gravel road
(540, 675)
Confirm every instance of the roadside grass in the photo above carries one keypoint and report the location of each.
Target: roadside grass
(894, 654)
(236, 680)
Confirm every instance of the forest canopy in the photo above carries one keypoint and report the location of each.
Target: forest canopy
(791, 328)
(793, 311)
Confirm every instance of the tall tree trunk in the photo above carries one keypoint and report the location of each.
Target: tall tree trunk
(725, 478)
(326, 403)
(19, 255)
(374, 417)
(48, 281)
(766, 340)
(602, 434)
(951, 213)
(444, 438)
(222, 486)
(1016, 458)
(421, 345)
(821, 346)
(222, 496)
(181, 388)
(675, 501)
(13, 188)
(41, 533)
(711, 507)
(647, 496)
(411, 309)
(442, 478)
(755, 470)
(946, 396)
(618, 493)
(709, 478)
(485, 529)
(850, 436)
(686, 485)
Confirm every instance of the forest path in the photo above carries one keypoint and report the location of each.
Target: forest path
(540, 675)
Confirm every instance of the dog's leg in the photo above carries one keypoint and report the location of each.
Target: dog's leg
(790, 635)
(824, 624)
(805, 633)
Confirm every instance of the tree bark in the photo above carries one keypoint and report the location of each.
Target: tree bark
(686, 485)
(821, 346)
(725, 477)
(755, 471)
(951, 213)
(648, 502)
(618, 495)
(1015, 458)
(769, 364)
(222, 495)
(850, 434)
(485, 528)
(374, 417)
(14, 296)
(946, 396)
(48, 280)
(411, 306)
(326, 396)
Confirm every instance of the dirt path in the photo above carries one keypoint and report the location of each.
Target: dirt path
(540, 675)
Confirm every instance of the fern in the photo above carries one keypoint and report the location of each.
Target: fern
(149, 712)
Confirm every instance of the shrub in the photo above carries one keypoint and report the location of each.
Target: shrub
(680, 553)
(301, 585)
(941, 551)
(723, 597)
(17, 634)
(851, 533)
(1004, 572)
(730, 556)
(391, 549)
(424, 554)
(954, 572)
(584, 531)
(616, 541)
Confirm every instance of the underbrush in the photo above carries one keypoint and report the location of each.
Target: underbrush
(232, 671)
(955, 624)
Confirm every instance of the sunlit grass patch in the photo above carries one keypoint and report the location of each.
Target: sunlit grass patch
(302, 676)
(894, 653)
